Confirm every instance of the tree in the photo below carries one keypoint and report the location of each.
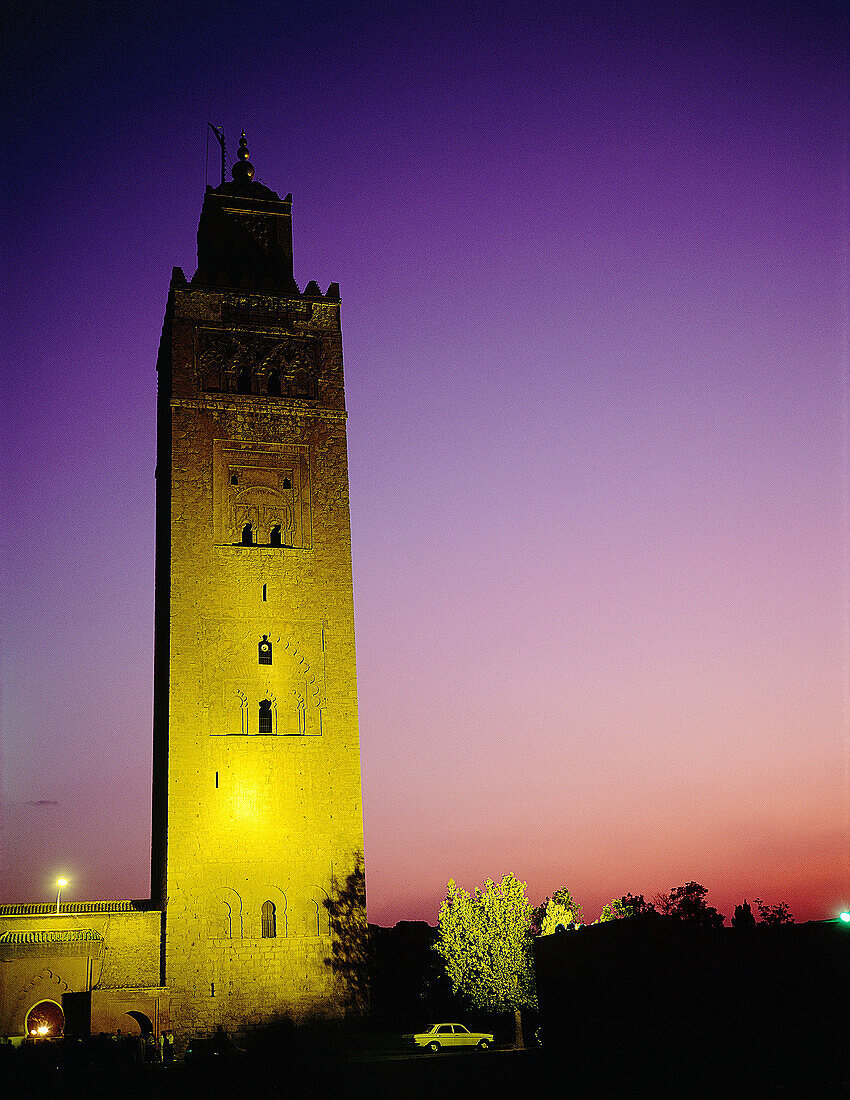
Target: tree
(743, 916)
(557, 914)
(774, 914)
(485, 941)
(635, 906)
(351, 948)
(616, 910)
(687, 904)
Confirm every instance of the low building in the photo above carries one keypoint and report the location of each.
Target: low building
(107, 949)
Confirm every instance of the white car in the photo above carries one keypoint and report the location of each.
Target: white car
(446, 1036)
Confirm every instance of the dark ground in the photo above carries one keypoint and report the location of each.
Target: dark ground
(377, 1071)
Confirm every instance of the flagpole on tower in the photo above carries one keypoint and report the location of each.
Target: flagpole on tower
(219, 136)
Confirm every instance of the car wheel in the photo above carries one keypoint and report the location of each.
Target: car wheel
(484, 1044)
(434, 1048)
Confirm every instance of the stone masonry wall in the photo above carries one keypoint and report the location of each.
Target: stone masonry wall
(257, 817)
(125, 957)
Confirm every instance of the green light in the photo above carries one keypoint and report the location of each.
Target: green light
(845, 917)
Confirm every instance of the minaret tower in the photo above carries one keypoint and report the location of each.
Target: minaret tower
(256, 789)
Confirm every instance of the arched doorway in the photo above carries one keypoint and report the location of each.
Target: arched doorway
(145, 1026)
(46, 1020)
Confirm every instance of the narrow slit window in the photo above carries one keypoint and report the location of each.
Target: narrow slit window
(264, 593)
(265, 722)
(216, 780)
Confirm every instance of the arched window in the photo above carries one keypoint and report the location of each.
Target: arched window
(269, 921)
(287, 484)
(234, 479)
(274, 384)
(243, 380)
(265, 724)
(274, 536)
(248, 535)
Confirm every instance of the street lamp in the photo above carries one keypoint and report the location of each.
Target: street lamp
(844, 917)
(60, 882)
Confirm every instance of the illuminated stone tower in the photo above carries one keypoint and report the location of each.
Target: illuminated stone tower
(256, 756)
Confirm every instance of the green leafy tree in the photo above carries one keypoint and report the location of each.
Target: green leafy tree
(560, 912)
(774, 914)
(351, 948)
(616, 910)
(484, 940)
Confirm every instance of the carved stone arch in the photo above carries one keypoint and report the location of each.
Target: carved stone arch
(316, 915)
(42, 986)
(302, 378)
(304, 690)
(239, 366)
(271, 363)
(263, 507)
(214, 354)
(244, 716)
(222, 913)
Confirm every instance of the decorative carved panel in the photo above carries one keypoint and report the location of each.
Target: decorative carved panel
(235, 685)
(266, 485)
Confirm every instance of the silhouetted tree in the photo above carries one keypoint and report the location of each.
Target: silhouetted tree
(636, 906)
(351, 949)
(774, 914)
(687, 904)
(743, 916)
(485, 942)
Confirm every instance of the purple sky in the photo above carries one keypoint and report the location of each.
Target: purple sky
(593, 261)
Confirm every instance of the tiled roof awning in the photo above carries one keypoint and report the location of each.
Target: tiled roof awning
(69, 941)
(32, 909)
